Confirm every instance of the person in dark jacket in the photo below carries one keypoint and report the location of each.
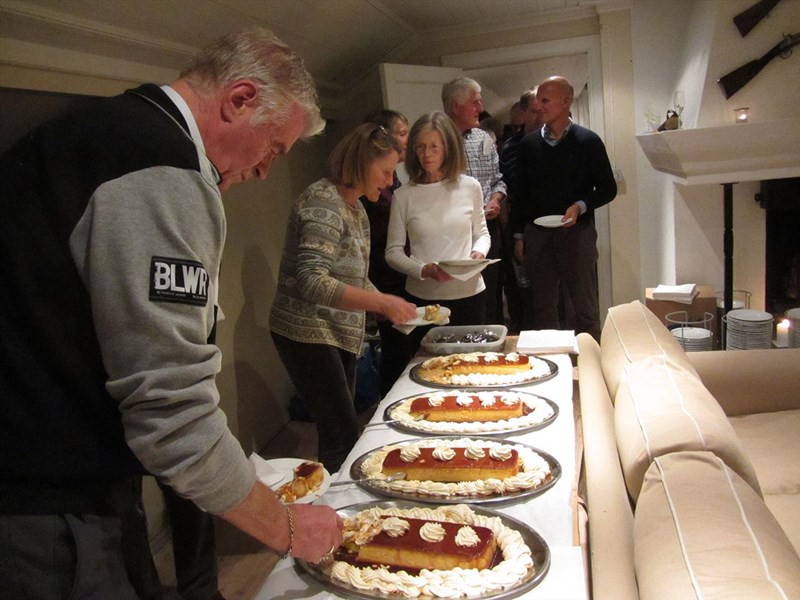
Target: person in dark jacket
(111, 235)
(565, 174)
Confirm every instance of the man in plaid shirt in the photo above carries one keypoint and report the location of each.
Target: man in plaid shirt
(461, 99)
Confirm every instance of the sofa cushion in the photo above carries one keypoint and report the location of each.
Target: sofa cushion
(772, 443)
(751, 381)
(785, 508)
(766, 437)
(700, 531)
(662, 408)
(632, 332)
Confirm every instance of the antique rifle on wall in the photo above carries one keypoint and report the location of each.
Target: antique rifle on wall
(747, 19)
(736, 80)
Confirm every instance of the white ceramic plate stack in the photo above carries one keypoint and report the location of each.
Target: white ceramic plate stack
(793, 314)
(748, 329)
(693, 339)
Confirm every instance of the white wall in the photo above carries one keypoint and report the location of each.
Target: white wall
(619, 131)
(254, 387)
(688, 45)
(657, 50)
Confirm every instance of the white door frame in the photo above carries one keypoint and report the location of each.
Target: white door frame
(589, 45)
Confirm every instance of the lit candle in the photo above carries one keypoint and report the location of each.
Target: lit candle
(782, 334)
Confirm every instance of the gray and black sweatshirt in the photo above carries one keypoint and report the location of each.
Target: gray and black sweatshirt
(111, 236)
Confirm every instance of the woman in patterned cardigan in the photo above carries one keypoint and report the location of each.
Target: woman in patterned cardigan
(317, 318)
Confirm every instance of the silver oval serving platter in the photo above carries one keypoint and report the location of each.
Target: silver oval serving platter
(540, 554)
(417, 375)
(396, 418)
(399, 489)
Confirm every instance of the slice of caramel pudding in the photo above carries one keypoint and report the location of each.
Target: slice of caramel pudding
(464, 408)
(451, 464)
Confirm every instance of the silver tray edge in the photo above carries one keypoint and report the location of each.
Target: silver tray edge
(413, 374)
(555, 468)
(403, 428)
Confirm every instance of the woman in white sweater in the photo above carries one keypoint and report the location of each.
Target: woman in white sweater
(440, 212)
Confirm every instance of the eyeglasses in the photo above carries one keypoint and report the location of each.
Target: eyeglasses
(434, 147)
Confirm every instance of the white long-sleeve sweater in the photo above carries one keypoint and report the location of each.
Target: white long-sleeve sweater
(443, 221)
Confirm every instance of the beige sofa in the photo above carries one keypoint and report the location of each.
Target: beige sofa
(691, 465)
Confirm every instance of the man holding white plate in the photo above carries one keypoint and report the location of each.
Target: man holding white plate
(565, 175)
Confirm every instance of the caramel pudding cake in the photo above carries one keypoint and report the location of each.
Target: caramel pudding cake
(415, 544)
(448, 551)
(472, 412)
(307, 478)
(465, 407)
(483, 368)
(457, 467)
(451, 464)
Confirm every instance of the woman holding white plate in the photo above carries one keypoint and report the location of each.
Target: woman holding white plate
(440, 212)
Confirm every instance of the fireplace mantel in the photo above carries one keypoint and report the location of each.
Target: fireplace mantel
(726, 154)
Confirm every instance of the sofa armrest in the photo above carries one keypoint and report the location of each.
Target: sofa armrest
(746, 382)
(610, 513)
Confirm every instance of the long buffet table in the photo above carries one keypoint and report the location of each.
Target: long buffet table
(550, 514)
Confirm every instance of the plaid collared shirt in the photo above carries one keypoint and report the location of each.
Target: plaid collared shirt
(483, 163)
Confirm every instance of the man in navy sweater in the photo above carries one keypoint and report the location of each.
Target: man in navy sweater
(564, 172)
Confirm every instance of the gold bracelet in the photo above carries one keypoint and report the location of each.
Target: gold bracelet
(291, 535)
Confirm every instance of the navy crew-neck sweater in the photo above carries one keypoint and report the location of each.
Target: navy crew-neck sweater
(552, 178)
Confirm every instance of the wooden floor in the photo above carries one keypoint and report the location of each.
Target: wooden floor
(245, 564)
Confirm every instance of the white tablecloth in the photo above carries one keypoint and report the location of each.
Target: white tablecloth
(550, 514)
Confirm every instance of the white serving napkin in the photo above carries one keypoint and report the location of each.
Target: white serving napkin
(265, 472)
(684, 293)
(547, 341)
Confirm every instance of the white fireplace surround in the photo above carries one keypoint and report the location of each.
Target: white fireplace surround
(728, 153)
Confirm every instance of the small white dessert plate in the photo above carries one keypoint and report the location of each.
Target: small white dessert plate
(551, 221)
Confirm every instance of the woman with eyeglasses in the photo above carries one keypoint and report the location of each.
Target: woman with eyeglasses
(317, 318)
(440, 212)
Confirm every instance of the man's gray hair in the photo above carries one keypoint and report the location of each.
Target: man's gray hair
(279, 72)
(458, 91)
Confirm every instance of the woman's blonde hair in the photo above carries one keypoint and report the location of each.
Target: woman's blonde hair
(350, 159)
(454, 162)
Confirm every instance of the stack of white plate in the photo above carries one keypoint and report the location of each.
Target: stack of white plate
(693, 339)
(793, 314)
(748, 329)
